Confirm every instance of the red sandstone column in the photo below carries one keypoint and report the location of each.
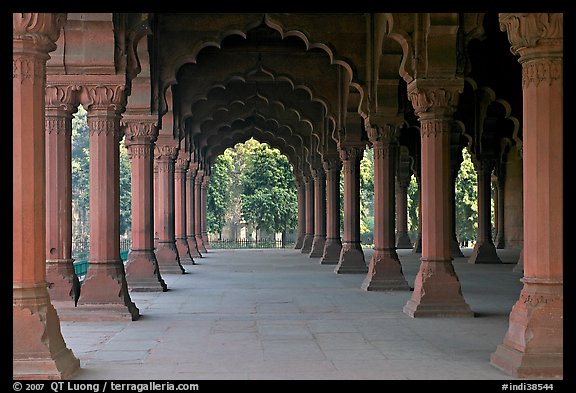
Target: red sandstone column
(166, 253)
(61, 101)
(301, 232)
(204, 189)
(142, 270)
(198, 210)
(533, 345)
(38, 348)
(351, 256)
(309, 200)
(104, 290)
(499, 210)
(437, 289)
(190, 216)
(180, 169)
(402, 238)
(319, 213)
(484, 250)
(384, 270)
(333, 245)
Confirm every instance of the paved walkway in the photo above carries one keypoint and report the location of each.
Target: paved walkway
(277, 314)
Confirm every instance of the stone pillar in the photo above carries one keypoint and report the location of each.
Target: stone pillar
(437, 291)
(402, 238)
(142, 270)
(204, 189)
(519, 267)
(333, 245)
(385, 270)
(105, 290)
(499, 213)
(533, 346)
(484, 250)
(38, 348)
(61, 102)
(190, 216)
(180, 168)
(198, 211)
(167, 255)
(301, 232)
(351, 257)
(309, 200)
(319, 240)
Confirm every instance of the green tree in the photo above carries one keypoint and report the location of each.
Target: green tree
(125, 190)
(220, 192)
(413, 205)
(80, 172)
(269, 198)
(466, 200)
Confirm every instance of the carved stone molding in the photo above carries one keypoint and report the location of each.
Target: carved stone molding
(434, 127)
(164, 166)
(192, 170)
(529, 30)
(165, 152)
(199, 176)
(435, 96)
(332, 166)
(41, 29)
(58, 125)
(106, 125)
(63, 97)
(104, 97)
(542, 71)
(139, 151)
(181, 164)
(28, 69)
(205, 181)
(383, 134)
(139, 131)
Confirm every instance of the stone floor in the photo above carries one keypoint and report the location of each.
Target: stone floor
(277, 314)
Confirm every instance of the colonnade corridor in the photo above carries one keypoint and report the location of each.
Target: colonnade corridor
(277, 314)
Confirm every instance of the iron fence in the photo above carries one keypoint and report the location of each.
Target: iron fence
(245, 243)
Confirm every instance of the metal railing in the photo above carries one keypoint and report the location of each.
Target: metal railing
(245, 243)
(81, 251)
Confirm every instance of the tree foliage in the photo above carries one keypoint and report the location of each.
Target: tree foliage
(253, 181)
(466, 200)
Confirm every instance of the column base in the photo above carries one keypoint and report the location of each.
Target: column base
(455, 249)
(299, 242)
(437, 292)
(60, 276)
(205, 241)
(39, 350)
(200, 245)
(519, 267)
(403, 241)
(385, 272)
(499, 242)
(194, 253)
(168, 258)
(417, 249)
(533, 346)
(142, 272)
(317, 247)
(484, 252)
(332, 250)
(105, 288)
(184, 251)
(351, 260)
(307, 244)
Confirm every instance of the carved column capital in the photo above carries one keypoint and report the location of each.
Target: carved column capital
(351, 153)
(192, 170)
(39, 29)
(182, 161)
(332, 165)
(484, 164)
(165, 152)
(100, 97)
(530, 33)
(61, 97)
(199, 176)
(435, 98)
(139, 129)
(205, 181)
